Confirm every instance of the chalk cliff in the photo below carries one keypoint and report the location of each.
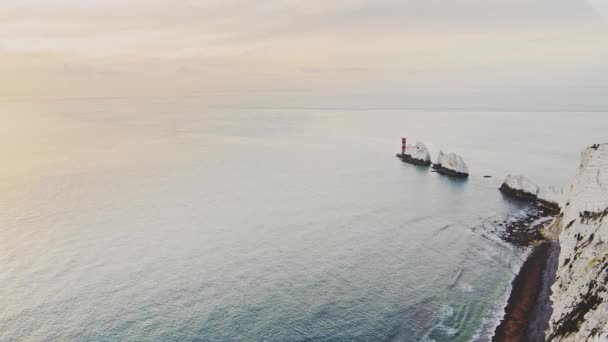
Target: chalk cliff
(580, 292)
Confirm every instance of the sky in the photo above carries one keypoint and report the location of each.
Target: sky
(493, 54)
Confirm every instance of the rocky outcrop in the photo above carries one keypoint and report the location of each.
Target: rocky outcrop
(580, 292)
(416, 154)
(451, 164)
(521, 187)
(550, 199)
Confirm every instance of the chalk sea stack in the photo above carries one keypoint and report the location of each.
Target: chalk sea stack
(550, 199)
(416, 154)
(451, 164)
(520, 187)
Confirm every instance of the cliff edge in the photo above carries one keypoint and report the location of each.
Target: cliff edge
(580, 291)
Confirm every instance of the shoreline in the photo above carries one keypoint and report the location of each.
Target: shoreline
(529, 307)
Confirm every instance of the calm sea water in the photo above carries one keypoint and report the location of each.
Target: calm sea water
(163, 220)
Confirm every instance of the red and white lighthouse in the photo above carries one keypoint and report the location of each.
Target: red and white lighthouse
(403, 143)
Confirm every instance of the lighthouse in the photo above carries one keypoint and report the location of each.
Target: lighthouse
(417, 154)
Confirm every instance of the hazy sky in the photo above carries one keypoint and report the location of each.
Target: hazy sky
(443, 53)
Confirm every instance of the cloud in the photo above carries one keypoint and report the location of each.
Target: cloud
(135, 25)
(372, 48)
(601, 7)
(322, 70)
(75, 70)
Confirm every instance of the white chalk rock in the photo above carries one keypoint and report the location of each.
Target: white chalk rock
(580, 291)
(453, 162)
(522, 184)
(419, 151)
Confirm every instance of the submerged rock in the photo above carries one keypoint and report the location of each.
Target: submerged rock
(416, 154)
(451, 164)
(580, 292)
(524, 228)
(521, 187)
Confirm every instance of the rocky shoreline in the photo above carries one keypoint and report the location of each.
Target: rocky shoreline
(559, 293)
(526, 317)
(551, 207)
(528, 307)
(526, 230)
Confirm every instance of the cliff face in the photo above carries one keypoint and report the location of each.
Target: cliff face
(580, 292)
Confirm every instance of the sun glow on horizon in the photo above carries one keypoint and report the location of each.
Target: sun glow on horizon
(434, 51)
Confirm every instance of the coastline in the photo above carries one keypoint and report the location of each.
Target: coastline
(528, 307)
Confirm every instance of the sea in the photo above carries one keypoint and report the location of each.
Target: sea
(165, 219)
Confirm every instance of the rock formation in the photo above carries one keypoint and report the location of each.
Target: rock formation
(521, 187)
(416, 154)
(451, 164)
(580, 292)
(550, 199)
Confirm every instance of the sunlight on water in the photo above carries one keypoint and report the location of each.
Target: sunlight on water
(168, 221)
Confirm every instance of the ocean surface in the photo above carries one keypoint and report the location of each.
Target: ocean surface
(166, 220)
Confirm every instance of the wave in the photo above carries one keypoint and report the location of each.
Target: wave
(491, 322)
